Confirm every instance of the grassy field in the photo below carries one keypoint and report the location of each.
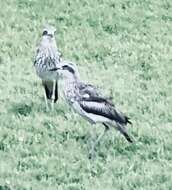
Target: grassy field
(122, 46)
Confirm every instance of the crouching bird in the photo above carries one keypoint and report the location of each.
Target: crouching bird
(90, 103)
(48, 57)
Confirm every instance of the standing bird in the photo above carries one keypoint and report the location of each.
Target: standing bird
(48, 57)
(90, 103)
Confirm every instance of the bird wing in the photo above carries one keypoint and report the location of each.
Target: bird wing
(91, 93)
(98, 105)
(102, 109)
(88, 89)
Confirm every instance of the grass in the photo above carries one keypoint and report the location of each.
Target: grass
(124, 47)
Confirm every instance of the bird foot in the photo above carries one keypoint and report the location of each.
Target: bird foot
(92, 154)
(47, 109)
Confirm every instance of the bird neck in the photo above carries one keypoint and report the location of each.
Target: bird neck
(71, 81)
(49, 39)
(69, 84)
(53, 42)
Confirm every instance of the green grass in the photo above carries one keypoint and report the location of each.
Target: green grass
(122, 46)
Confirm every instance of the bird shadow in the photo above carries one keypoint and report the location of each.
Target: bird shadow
(4, 187)
(21, 109)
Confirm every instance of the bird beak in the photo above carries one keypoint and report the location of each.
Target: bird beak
(55, 69)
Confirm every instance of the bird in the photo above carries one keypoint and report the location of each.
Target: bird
(47, 57)
(88, 101)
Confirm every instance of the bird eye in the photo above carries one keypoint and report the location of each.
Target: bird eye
(45, 32)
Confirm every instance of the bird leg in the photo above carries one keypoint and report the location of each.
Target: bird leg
(101, 136)
(95, 143)
(53, 95)
(46, 101)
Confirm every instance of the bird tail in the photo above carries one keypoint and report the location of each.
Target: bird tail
(127, 119)
(49, 89)
(123, 131)
(121, 118)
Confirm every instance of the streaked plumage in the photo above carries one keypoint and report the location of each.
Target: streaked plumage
(89, 102)
(48, 57)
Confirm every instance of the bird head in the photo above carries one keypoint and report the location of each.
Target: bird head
(49, 31)
(67, 70)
